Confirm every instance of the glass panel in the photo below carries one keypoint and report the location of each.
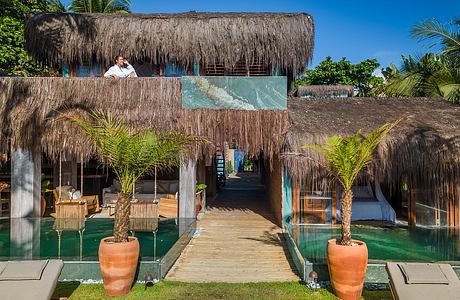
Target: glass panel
(431, 208)
(383, 243)
(173, 70)
(316, 206)
(245, 93)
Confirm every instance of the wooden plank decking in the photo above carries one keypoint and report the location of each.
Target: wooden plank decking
(239, 243)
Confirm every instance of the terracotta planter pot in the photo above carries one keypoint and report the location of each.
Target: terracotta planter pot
(347, 268)
(118, 263)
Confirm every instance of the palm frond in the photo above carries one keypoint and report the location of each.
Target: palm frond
(100, 6)
(129, 152)
(348, 155)
(56, 6)
(435, 31)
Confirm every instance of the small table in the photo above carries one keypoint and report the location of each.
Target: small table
(111, 208)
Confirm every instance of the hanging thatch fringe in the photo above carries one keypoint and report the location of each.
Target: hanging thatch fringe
(424, 147)
(32, 113)
(282, 41)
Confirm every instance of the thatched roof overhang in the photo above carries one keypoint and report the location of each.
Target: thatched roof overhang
(279, 40)
(424, 147)
(32, 113)
(325, 91)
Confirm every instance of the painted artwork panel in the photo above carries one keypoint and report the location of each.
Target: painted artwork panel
(241, 93)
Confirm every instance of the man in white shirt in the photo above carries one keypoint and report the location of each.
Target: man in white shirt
(121, 69)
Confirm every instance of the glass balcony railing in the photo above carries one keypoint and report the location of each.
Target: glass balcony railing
(231, 92)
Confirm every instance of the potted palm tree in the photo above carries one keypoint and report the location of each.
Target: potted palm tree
(131, 153)
(346, 157)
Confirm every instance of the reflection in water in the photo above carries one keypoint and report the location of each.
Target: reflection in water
(77, 239)
(25, 238)
(384, 244)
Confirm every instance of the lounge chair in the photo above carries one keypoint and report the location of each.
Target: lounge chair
(33, 279)
(418, 281)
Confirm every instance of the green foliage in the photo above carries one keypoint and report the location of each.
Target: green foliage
(447, 36)
(343, 72)
(432, 74)
(14, 61)
(100, 6)
(230, 168)
(46, 185)
(347, 156)
(129, 152)
(200, 187)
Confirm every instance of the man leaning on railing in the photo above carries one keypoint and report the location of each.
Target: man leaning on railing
(121, 69)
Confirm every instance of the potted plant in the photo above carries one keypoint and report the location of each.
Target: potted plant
(200, 201)
(131, 153)
(346, 157)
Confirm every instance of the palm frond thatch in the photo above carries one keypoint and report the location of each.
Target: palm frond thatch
(325, 91)
(424, 147)
(32, 110)
(283, 41)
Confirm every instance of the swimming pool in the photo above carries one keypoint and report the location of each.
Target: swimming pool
(384, 243)
(77, 243)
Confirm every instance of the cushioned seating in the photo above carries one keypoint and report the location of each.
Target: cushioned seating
(145, 190)
(29, 279)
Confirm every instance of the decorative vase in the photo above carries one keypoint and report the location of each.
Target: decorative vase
(118, 262)
(347, 268)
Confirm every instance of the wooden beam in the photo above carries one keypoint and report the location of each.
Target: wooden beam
(296, 202)
(411, 207)
(334, 203)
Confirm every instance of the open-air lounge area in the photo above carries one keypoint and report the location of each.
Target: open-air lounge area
(198, 157)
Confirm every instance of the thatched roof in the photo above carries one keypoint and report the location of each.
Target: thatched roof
(325, 91)
(278, 40)
(425, 146)
(31, 112)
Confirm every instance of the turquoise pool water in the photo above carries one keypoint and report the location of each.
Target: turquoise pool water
(38, 238)
(384, 244)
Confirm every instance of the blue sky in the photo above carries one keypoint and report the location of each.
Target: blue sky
(357, 29)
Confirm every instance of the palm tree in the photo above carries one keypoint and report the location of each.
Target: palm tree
(100, 6)
(433, 74)
(448, 37)
(131, 154)
(57, 6)
(346, 157)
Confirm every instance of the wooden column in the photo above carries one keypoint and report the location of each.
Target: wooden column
(187, 182)
(334, 203)
(25, 183)
(296, 201)
(411, 207)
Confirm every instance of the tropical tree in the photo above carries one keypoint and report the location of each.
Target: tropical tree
(346, 157)
(100, 6)
(14, 60)
(329, 72)
(131, 153)
(434, 74)
(92, 6)
(445, 36)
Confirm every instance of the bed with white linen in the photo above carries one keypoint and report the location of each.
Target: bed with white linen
(369, 204)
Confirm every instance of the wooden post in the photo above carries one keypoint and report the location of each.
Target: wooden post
(334, 203)
(296, 211)
(187, 182)
(25, 183)
(411, 207)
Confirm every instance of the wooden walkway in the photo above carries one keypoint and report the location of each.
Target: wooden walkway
(238, 242)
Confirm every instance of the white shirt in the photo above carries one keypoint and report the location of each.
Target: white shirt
(120, 71)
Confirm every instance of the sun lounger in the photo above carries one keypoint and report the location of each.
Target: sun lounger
(418, 281)
(32, 279)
